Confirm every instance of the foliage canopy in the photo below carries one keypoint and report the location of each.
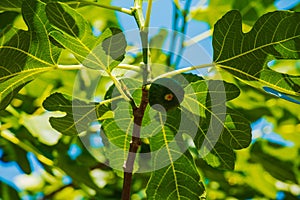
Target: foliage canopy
(195, 144)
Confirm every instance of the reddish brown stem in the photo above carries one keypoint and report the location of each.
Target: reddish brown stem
(138, 114)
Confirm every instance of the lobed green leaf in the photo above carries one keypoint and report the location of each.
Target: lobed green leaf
(249, 9)
(79, 114)
(25, 54)
(74, 33)
(179, 180)
(219, 129)
(275, 35)
(11, 5)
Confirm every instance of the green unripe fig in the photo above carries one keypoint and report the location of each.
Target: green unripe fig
(165, 94)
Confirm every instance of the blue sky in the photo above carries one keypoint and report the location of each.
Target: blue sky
(162, 15)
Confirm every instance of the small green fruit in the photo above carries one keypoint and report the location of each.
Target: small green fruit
(165, 94)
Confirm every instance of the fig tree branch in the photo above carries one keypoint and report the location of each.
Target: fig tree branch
(138, 112)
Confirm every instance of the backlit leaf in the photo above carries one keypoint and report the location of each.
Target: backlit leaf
(11, 5)
(221, 157)
(75, 34)
(25, 54)
(245, 55)
(117, 134)
(272, 164)
(250, 10)
(117, 131)
(79, 114)
(220, 129)
(179, 180)
(7, 18)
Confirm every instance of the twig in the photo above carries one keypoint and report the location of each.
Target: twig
(148, 14)
(110, 7)
(137, 12)
(129, 67)
(80, 66)
(119, 87)
(70, 67)
(186, 69)
(183, 31)
(198, 38)
(176, 3)
(176, 9)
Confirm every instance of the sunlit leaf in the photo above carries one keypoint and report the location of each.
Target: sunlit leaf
(117, 135)
(234, 134)
(174, 175)
(11, 5)
(118, 130)
(245, 55)
(221, 157)
(249, 9)
(272, 164)
(79, 114)
(218, 125)
(157, 55)
(212, 13)
(41, 129)
(179, 180)
(7, 18)
(75, 34)
(25, 54)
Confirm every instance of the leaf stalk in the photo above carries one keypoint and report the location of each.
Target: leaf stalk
(148, 14)
(186, 69)
(110, 7)
(119, 86)
(79, 67)
(198, 38)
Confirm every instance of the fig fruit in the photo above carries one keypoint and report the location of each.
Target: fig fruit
(165, 94)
